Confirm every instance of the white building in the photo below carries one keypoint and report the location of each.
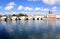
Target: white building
(58, 16)
(30, 17)
(22, 17)
(14, 18)
(3, 18)
(38, 16)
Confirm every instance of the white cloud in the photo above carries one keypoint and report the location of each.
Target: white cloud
(54, 7)
(51, 2)
(54, 10)
(20, 7)
(14, 13)
(24, 8)
(45, 9)
(37, 8)
(28, 8)
(10, 6)
(41, 9)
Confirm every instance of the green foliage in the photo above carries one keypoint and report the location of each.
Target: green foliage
(22, 15)
(14, 15)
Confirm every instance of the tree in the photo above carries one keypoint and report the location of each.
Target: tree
(14, 15)
(22, 14)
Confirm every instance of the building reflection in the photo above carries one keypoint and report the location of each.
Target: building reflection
(3, 22)
(51, 24)
(58, 22)
(51, 28)
(44, 34)
(13, 22)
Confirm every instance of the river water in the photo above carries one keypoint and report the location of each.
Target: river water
(30, 29)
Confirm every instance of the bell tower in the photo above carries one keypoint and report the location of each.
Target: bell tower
(50, 12)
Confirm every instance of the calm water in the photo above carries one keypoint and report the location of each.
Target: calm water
(37, 29)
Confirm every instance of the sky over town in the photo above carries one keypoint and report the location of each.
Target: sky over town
(29, 6)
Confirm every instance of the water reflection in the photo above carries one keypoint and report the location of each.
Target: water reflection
(51, 24)
(51, 29)
(24, 29)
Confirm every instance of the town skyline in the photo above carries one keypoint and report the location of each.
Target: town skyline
(29, 6)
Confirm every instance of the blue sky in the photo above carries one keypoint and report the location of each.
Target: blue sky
(29, 6)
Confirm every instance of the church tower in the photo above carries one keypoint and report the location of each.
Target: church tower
(50, 12)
